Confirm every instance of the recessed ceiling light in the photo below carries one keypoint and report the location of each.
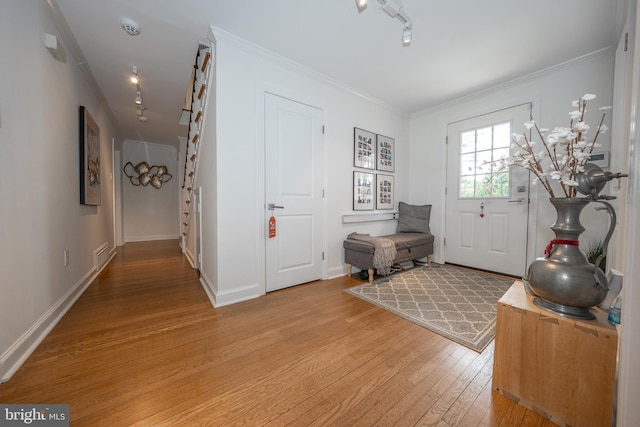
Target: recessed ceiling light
(130, 27)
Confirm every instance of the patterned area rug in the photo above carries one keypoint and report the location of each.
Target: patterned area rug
(457, 303)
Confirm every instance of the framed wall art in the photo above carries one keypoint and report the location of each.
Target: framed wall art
(384, 191)
(363, 191)
(364, 149)
(89, 159)
(385, 153)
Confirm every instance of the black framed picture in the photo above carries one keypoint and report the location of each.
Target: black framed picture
(384, 191)
(90, 192)
(363, 191)
(364, 149)
(385, 153)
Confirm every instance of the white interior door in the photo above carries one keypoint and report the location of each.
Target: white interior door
(486, 221)
(294, 177)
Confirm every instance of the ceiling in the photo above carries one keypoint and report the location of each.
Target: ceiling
(459, 46)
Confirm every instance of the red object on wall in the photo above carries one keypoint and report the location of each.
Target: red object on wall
(272, 227)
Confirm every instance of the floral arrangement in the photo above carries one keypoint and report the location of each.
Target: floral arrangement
(564, 151)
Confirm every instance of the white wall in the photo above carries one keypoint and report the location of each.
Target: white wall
(150, 213)
(551, 92)
(40, 212)
(243, 74)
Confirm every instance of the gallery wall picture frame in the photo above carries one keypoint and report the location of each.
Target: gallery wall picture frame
(364, 149)
(385, 148)
(363, 191)
(90, 191)
(384, 191)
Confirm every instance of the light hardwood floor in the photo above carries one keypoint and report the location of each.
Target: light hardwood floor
(144, 346)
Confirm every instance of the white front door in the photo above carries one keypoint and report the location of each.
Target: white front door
(294, 177)
(486, 220)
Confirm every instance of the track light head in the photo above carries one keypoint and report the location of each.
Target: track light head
(134, 79)
(138, 97)
(406, 36)
(361, 5)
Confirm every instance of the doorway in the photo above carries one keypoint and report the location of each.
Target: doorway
(293, 192)
(486, 209)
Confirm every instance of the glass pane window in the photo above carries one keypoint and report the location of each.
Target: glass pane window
(467, 142)
(478, 149)
(484, 139)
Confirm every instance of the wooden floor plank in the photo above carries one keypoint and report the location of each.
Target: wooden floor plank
(463, 401)
(480, 406)
(143, 346)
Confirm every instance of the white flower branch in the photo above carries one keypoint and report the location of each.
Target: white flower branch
(566, 149)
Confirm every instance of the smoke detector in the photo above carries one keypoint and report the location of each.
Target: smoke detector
(130, 27)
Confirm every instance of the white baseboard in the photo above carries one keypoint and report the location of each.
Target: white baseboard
(187, 253)
(337, 272)
(112, 253)
(17, 354)
(20, 351)
(150, 238)
(220, 299)
(209, 288)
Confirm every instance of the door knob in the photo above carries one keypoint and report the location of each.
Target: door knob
(273, 206)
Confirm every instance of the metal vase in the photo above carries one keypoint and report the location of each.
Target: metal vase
(565, 282)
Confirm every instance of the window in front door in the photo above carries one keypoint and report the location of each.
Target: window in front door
(478, 149)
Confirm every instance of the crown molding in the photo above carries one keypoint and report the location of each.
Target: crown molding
(222, 35)
(609, 50)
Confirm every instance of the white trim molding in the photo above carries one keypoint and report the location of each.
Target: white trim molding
(19, 352)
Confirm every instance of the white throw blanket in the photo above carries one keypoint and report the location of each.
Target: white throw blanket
(384, 251)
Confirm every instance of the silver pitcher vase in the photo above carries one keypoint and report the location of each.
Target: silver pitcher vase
(564, 281)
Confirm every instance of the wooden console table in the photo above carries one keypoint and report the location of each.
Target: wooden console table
(561, 368)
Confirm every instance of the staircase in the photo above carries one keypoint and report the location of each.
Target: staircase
(198, 100)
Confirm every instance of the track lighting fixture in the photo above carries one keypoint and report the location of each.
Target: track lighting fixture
(135, 80)
(393, 9)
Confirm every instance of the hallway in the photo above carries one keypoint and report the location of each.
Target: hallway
(143, 346)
